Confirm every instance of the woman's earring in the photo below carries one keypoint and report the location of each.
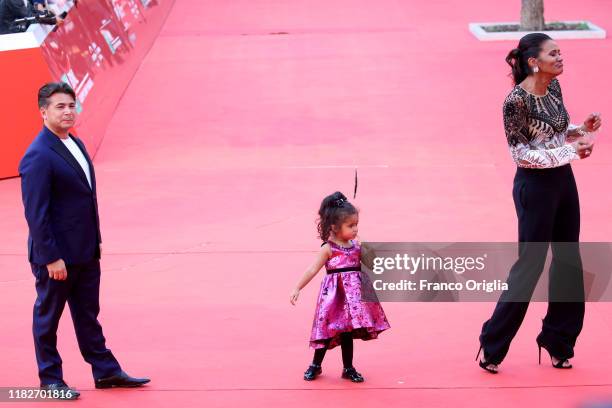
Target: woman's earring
(536, 69)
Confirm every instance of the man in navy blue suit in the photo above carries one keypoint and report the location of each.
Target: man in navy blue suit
(58, 186)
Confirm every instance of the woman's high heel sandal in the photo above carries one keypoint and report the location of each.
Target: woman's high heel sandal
(563, 364)
(352, 374)
(312, 372)
(485, 365)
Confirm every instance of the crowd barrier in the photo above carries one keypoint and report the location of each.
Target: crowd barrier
(97, 50)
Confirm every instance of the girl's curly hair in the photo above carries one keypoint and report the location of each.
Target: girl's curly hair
(334, 209)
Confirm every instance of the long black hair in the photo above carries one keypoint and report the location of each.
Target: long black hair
(334, 209)
(528, 47)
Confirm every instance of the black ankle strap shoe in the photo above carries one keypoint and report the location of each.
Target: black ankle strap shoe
(312, 372)
(352, 374)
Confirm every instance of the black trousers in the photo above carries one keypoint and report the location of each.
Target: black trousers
(82, 292)
(548, 211)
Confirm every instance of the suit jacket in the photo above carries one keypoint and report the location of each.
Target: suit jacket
(60, 207)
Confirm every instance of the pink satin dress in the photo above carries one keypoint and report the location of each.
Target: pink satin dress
(339, 307)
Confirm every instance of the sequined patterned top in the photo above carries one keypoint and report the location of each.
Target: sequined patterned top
(538, 128)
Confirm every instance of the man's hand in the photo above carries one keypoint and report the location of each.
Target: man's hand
(57, 270)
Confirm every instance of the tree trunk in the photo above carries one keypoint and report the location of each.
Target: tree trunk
(532, 15)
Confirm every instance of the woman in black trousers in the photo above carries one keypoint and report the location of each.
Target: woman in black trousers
(542, 143)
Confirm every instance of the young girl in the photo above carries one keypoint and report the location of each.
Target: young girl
(340, 315)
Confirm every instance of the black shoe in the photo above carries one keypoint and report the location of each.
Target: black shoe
(352, 374)
(121, 380)
(64, 392)
(312, 372)
(485, 365)
(562, 363)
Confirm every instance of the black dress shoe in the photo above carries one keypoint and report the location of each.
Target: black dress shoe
(312, 372)
(121, 380)
(352, 374)
(61, 391)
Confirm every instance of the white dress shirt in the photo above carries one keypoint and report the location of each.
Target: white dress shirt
(79, 156)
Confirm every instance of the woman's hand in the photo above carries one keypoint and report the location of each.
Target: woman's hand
(592, 122)
(583, 147)
(294, 296)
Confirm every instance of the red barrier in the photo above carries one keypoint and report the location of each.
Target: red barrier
(97, 51)
(23, 72)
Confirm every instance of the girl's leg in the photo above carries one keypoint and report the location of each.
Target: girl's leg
(349, 372)
(314, 369)
(319, 354)
(346, 343)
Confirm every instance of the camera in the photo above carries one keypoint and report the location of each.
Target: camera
(38, 17)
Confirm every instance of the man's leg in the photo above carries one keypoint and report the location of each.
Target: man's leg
(48, 308)
(84, 302)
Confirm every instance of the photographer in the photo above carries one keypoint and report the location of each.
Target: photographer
(34, 12)
(39, 5)
(11, 10)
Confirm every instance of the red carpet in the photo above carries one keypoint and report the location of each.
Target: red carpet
(243, 116)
